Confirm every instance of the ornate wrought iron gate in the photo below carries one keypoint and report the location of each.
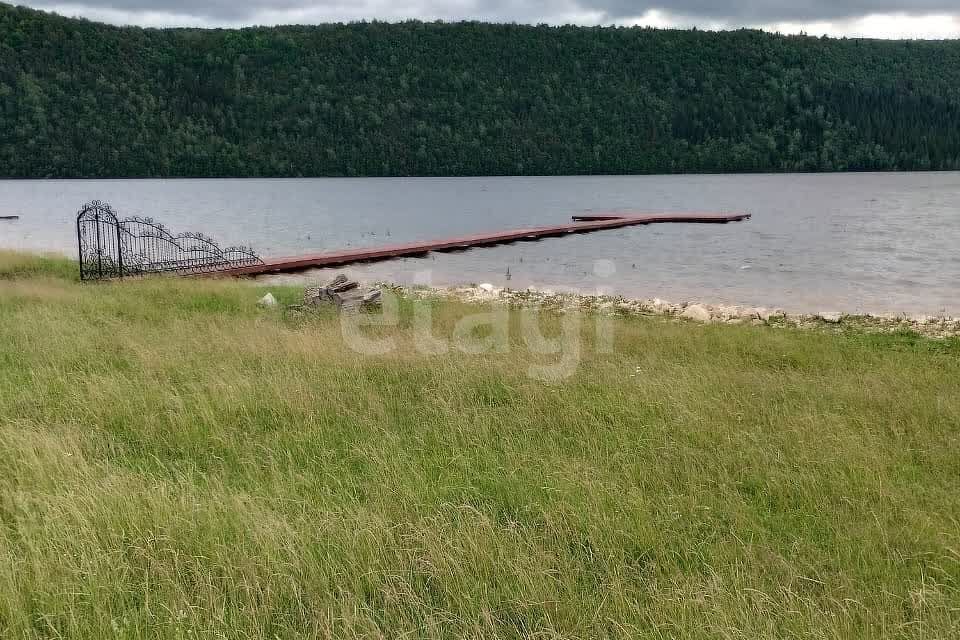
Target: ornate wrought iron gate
(114, 248)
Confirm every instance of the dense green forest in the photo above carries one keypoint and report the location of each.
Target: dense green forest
(79, 98)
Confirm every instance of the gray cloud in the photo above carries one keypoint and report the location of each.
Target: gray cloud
(755, 11)
(680, 12)
(227, 10)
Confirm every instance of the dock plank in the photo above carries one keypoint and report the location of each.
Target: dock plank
(581, 224)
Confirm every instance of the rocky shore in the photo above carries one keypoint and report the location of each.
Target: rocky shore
(938, 327)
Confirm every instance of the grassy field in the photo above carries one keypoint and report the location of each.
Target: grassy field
(176, 462)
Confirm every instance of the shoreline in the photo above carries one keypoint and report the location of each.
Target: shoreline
(935, 327)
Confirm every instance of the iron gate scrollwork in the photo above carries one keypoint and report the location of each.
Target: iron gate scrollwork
(114, 248)
(98, 235)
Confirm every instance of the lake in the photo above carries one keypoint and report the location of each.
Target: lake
(878, 243)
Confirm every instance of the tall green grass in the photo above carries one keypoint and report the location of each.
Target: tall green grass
(178, 463)
(15, 264)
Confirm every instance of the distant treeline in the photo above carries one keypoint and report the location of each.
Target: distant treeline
(79, 98)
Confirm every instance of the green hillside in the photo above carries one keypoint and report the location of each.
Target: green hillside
(84, 99)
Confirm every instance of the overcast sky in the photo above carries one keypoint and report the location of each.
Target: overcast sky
(869, 18)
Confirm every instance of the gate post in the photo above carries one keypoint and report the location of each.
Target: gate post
(80, 248)
(119, 249)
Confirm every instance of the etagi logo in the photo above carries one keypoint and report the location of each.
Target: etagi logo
(553, 357)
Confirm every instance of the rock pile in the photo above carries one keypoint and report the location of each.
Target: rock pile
(929, 326)
(344, 293)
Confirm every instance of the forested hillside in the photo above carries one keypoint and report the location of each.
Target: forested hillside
(84, 99)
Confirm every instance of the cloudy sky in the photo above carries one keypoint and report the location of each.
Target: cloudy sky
(868, 18)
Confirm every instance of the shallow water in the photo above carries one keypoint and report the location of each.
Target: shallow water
(853, 242)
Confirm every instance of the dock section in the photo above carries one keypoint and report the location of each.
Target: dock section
(581, 224)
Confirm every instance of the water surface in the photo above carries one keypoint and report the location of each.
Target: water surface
(852, 242)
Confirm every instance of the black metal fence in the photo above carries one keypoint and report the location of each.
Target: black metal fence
(114, 248)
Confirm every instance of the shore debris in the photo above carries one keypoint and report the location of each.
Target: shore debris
(937, 327)
(346, 294)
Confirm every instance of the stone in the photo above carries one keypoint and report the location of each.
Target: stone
(726, 312)
(735, 312)
(696, 312)
(660, 306)
(267, 301)
(770, 314)
(833, 317)
(486, 286)
(372, 299)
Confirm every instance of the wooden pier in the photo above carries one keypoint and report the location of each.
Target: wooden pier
(581, 224)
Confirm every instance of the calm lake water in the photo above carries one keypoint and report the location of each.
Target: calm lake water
(850, 242)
